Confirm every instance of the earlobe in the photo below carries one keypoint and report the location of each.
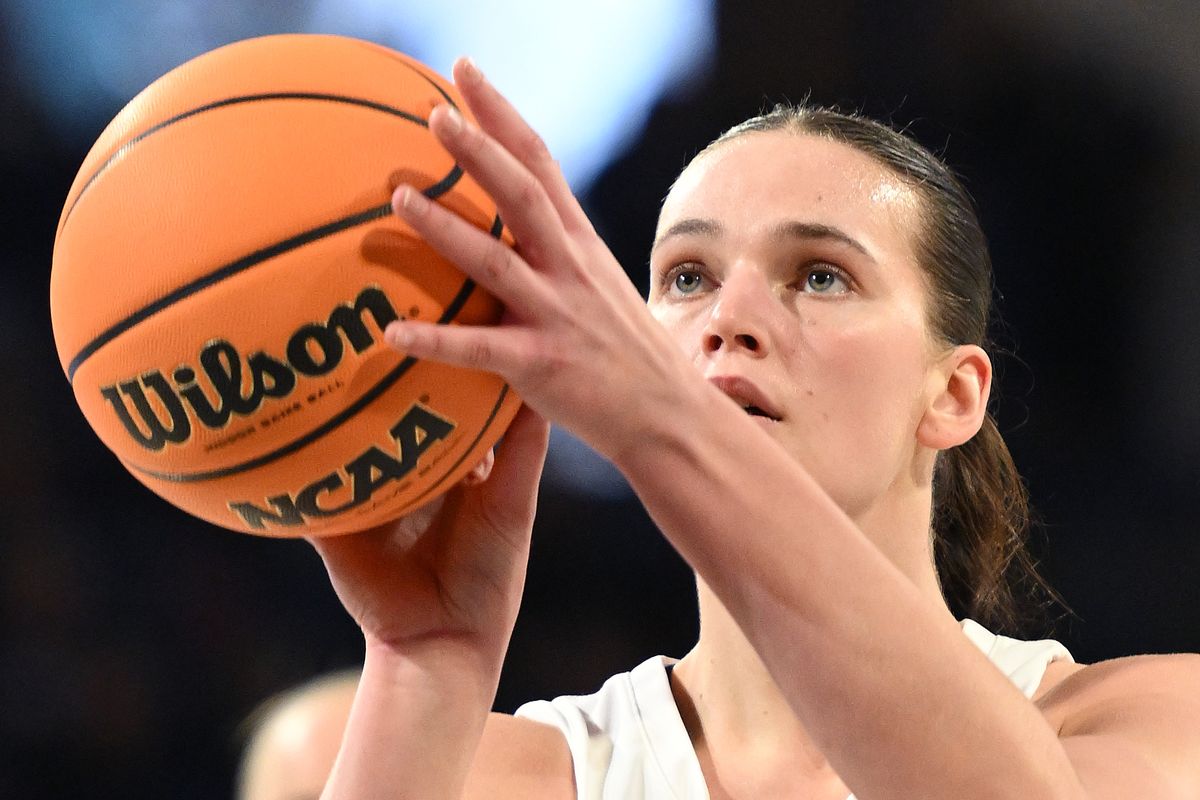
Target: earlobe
(961, 384)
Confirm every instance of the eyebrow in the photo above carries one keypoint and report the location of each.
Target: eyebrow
(691, 226)
(790, 229)
(794, 229)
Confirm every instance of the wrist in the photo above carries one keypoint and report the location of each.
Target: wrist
(457, 674)
(676, 424)
(656, 415)
(459, 652)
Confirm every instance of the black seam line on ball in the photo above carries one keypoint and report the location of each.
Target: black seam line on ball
(246, 262)
(231, 101)
(435, 85)
(346, 413)
(470, 449)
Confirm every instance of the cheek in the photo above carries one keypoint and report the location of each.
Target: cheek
(864, 388)
(882, 375)
(868, 357)
(685, 327)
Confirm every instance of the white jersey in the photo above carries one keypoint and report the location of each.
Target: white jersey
(628, 742)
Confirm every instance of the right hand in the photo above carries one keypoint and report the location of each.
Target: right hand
(452, 571)
(576, 339)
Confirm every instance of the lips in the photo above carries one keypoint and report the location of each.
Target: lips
(747, 395)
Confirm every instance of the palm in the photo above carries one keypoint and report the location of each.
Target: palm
(454, 568)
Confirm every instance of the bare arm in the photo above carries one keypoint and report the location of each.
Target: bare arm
(417, 717)
(898, 700)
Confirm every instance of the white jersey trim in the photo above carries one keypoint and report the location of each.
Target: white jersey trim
(628, 741)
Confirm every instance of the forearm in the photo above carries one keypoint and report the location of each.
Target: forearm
(883, 679)
(415, 724)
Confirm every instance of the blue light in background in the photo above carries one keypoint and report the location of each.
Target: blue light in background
(82, 61)
(585, 74)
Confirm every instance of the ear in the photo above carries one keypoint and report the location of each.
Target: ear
(960, 383)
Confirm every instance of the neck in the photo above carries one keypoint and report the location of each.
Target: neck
(732, 707)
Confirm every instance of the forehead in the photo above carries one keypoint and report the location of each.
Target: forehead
(759, 179)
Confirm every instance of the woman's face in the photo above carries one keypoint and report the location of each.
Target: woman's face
(784, 265)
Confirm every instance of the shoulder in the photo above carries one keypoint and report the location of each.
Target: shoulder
(1081, 687)
(520, 758)
(1141, 712)
(626, 733)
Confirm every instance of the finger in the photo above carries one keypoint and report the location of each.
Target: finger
(502, 122)
(356, 549)
(522, 201)
(512, 489)
(505, 506)
(485, 348)
(481, 471)
(484, 258)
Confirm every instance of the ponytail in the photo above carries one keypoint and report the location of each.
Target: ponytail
(980, 531)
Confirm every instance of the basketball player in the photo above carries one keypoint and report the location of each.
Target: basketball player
(802, 407)
(294, 739)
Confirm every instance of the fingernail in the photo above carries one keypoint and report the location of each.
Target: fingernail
(413, 201)
(453, 120)
(398, 335)
(471, 70)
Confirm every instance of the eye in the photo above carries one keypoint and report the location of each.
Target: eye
(687, 282)
(684, 279)
(826, 279)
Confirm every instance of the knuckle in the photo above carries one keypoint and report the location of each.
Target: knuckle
(542, 362)
(528, 193)
(473, 141)
(478, 353)
(534, 148)
(529, 250)
(555, 362)
(495, 261)
(433, 348)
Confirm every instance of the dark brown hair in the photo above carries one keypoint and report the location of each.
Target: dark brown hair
(980, 504)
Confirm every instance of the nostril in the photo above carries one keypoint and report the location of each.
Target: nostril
(747, 341)
(743, 341)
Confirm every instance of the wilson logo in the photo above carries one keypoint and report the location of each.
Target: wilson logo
(228, 384)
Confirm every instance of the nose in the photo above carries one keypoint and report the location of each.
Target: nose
(739, 320)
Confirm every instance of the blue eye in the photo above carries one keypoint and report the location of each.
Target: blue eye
(824, 281)
(687, 282)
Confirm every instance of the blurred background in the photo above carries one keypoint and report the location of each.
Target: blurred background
(135, 640)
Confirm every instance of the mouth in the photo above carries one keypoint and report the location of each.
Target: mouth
(747, 395)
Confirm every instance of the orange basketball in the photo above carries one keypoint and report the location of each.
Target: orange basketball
(224, 267)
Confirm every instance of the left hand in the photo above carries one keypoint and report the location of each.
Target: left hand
(448, 577)
(576, 339)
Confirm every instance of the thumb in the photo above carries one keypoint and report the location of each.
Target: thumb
(511, 490)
